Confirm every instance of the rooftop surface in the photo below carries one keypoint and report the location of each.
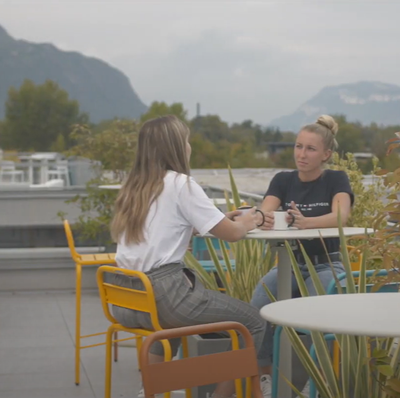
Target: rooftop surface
(37, 349)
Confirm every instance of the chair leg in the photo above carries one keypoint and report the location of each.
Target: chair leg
(185, 354)
(109, 336)
(115, 346)
(336, 358)
(275, 361)
(313, 390)
(139, 342)
(167, 357)
(78, 269)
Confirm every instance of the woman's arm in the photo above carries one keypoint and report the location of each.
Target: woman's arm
(233, 230)
(341, 201)
(270, 203)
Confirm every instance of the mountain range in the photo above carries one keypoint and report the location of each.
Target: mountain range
(365, 102)
(102, 91)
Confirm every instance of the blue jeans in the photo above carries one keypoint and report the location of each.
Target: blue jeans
(260, 297)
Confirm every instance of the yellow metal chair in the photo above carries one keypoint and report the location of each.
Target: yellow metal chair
(139, 300)
(355, 258)
(80, 261)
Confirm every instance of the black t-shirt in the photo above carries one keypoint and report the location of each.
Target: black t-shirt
(313, 199)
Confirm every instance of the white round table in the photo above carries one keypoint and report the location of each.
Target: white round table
(294, 234)
(360, 314)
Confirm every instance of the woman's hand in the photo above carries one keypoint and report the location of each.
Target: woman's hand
(300, 221)
(232, 214)
(268, 220)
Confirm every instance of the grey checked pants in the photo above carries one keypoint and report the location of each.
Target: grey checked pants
(182, 300)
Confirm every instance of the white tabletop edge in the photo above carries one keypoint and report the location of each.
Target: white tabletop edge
(303, 233)
(349, 314)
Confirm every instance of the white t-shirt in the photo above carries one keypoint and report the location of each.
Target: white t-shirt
(181, 206)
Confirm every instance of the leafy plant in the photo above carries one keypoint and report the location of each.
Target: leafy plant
(367, 198)
(112, 151)
(384, 246)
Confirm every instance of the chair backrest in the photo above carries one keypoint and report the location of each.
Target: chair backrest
(357, 258)
(386, 288)
(7, 165)
(71, 244)
(205, 369)
(200, 249)
(139, 300)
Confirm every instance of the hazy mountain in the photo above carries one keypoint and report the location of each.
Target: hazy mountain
(102, 90)
(365, 102)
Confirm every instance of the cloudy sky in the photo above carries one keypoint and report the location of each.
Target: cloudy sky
(240, 59)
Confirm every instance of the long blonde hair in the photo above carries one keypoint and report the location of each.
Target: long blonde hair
(162, 146)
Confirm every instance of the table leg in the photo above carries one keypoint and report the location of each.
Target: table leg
(284, 293)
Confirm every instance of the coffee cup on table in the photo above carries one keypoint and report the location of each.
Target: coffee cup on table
(245, 209)
(280, 221)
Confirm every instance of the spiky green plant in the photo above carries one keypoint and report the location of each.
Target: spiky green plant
(252, 260)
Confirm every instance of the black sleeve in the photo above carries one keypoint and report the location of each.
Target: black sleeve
(341, 183)
(276, 187)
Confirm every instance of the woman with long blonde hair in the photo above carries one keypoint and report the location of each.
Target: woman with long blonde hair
(156, 212)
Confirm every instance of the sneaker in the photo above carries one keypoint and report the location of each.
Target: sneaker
(394, 346)
(305, 392)
(266, 385)
(141, 394)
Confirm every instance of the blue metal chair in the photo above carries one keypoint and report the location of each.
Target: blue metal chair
(199, 251)
(332, 289)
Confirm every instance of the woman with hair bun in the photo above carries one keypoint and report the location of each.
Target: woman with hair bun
(312, 196)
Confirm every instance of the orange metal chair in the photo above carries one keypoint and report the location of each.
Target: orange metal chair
(205, 369)
(139, 300)
(80, 261)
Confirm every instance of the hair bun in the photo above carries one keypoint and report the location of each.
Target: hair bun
(328, 122)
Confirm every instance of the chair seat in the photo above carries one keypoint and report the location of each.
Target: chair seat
(387, 288)
(96, 259)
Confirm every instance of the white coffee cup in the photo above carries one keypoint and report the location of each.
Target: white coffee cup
(280, 222)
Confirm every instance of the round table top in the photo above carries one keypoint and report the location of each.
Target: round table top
(305, 233)
(360, 314)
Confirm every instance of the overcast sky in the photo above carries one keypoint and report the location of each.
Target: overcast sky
(240, 59)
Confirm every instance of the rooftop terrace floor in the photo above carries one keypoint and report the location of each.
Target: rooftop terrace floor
(37, 348)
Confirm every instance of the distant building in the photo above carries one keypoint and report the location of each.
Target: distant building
(363, 155)
(278, 147)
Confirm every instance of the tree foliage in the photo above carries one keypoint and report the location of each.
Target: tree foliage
(114, 147)
(158, 109)
(40, 118)
(37, 116)
(113, 152)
